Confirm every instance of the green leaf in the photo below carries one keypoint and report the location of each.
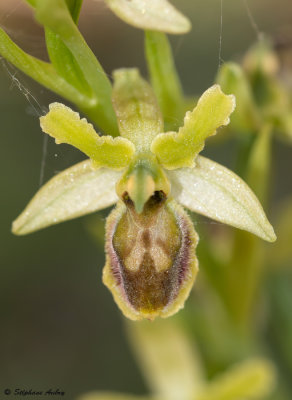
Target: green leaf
(136, 108)
(179, 149)
(164, 78)
(74, 7)
(62, 58)
(213, 190)
(66, 126)
(252, 379)
(77, 191)
(54, 15)
(156, 15)
(167, 358)
(40, 71)
(259, 162)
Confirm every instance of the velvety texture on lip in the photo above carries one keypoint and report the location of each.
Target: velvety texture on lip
(151, 263)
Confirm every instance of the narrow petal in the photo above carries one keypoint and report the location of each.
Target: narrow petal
(66, 126)
(156, 15)
(151, 262)
(136, 107)
(77, 191)
(215, 191)
(179, 149)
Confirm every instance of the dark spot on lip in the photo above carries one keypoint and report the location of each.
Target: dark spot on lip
(127, 199)
(157, 198)
(147, 289)
(146, 239)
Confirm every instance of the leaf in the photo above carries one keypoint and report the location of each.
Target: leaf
(54, 14)
(74, 7)
(167, 358)
(66, 126)
(136, 107)
(62, 58)
(44, 73)
(77, 191)
(178, 149)
(164, 78)
(158, 15)
(252, 379)
(213, 190)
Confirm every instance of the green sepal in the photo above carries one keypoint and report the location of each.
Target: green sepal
(77, 191)
(179, 149)
(136, 107)
(157, 15)
(164, 79)
(66, 126)
(216, 192)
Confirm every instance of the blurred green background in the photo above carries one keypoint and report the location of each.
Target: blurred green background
(59, 325)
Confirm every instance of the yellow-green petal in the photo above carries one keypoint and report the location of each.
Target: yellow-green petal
(77, 191)
(179, 149)
(216, 192)
(66, 126)
(158, 15)
(136, 107)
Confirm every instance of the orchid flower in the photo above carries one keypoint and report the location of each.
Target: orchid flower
(151, 243)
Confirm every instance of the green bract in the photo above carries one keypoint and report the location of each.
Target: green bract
(148, 234)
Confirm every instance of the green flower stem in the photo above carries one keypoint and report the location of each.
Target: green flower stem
(244, 272)
(54, 14)
(44, 73)
(164, 79)
(259, 165)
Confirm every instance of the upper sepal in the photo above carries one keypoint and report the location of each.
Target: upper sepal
(136, 108)
(213, 190)
(77, 191)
